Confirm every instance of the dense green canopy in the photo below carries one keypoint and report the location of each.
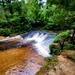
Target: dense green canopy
(20, 15)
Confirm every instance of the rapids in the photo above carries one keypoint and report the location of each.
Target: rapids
(24, 54)
(40, 39)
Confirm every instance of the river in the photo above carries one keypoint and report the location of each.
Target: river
(24, 54)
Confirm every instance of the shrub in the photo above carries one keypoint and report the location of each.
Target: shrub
(54, 50)
(68, 46)
(62, 35)
(5, 32)
(3, 24)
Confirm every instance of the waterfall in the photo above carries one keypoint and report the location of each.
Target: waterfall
(39, 39)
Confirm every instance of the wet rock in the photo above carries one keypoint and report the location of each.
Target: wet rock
(21, 71)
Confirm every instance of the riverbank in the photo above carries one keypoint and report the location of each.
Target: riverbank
(64, 64)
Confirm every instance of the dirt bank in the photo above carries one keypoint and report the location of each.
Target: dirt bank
(64, 66)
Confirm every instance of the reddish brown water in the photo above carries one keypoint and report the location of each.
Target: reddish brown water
(20, 61)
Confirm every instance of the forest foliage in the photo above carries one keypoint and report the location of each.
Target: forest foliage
(18, 16)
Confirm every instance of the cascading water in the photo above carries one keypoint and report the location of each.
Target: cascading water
(39, 39)
(42, 41)
(24, 54)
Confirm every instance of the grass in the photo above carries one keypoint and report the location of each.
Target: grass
(72, 57)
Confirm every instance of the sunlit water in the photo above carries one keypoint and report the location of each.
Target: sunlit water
(24, 54)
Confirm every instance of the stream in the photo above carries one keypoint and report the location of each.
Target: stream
(24, 54)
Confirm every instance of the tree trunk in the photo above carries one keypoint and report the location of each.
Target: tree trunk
(72, 38)
(10, 7)
(61, 43)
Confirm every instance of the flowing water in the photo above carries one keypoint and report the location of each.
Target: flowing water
(24, 54)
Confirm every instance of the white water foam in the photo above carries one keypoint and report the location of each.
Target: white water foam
(41, 43)
(41, 40)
